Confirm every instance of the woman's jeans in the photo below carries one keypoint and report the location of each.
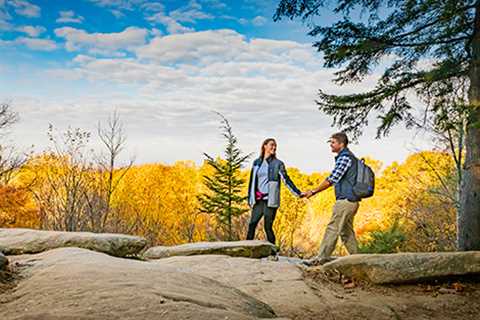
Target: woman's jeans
(261, 209)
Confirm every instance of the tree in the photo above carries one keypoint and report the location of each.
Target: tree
(224, 197)
(14, 204)
(16, 209)
(418, 194)
(448, 128)
(7, 116)
(292, 213)
(63, 177)
(428, 46)
(100, 200)
(10, 159)
(75, 191)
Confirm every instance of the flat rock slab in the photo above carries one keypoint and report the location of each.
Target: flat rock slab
(279, 284)
(405, 267)
(246, 248)
(73, 283)
(25, 241)
(3, 262)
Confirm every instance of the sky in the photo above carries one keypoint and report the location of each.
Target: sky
(165, 67)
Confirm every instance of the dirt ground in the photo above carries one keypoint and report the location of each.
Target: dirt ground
(454, 298)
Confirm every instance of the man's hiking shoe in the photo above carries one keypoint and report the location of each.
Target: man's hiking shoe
(273, 257)
(313, 262)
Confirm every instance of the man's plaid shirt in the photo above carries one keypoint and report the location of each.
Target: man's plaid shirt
(341, 166)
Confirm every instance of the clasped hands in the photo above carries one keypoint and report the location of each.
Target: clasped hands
(307, 194)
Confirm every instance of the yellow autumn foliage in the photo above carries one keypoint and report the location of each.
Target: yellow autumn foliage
(159, 202)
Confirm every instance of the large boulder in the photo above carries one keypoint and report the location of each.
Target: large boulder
(22, 241)
(405, 267)
(73, 283)
(3, 262)
(247, 248)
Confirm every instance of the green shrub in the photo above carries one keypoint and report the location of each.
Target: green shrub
(383, 241)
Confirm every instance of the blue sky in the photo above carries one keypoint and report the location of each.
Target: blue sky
(164, 66)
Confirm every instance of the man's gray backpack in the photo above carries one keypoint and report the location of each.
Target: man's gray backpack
(365, 183)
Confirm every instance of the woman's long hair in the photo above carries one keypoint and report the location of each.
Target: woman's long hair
(262, 148)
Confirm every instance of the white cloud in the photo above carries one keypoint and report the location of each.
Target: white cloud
(25, 8)
(243, 21)
(221, 64)
(5, 43)
(117, 13)
(156, 32)
(5, 25)
(225, 45)
(3, 11)
(220, 69)
(155, 13)
(21, 7)
(37, 44)
(69, 17)
(121, 4)
(4, 16)
(153, 6)
(31, 43)
(32, 31)
(259, 21)
(102, 43)
(190, 13)
(167, 91)
(171, 24)
(119, 7)
(192, 47)
(215, 4)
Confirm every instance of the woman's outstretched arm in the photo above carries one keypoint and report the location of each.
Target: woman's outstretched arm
(288, 182)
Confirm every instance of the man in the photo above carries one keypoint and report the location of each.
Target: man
(346, 206)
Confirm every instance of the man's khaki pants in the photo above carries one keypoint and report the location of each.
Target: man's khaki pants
(341, 224)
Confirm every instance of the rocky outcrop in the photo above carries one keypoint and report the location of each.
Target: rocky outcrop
(279, 284)
(73, 283)
(22, 241)
(248, 249)
(3, 262)
(405, 267)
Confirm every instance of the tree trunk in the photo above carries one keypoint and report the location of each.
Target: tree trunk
(469, 215)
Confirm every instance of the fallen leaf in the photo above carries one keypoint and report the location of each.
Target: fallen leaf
(458, 287)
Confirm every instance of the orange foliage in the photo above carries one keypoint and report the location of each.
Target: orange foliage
(16, 208)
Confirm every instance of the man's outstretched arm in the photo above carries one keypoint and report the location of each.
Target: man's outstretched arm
(341, 167)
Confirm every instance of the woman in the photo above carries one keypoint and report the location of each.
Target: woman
(264, 189)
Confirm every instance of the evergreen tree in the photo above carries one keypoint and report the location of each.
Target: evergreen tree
(224, 198)
(433, 47)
